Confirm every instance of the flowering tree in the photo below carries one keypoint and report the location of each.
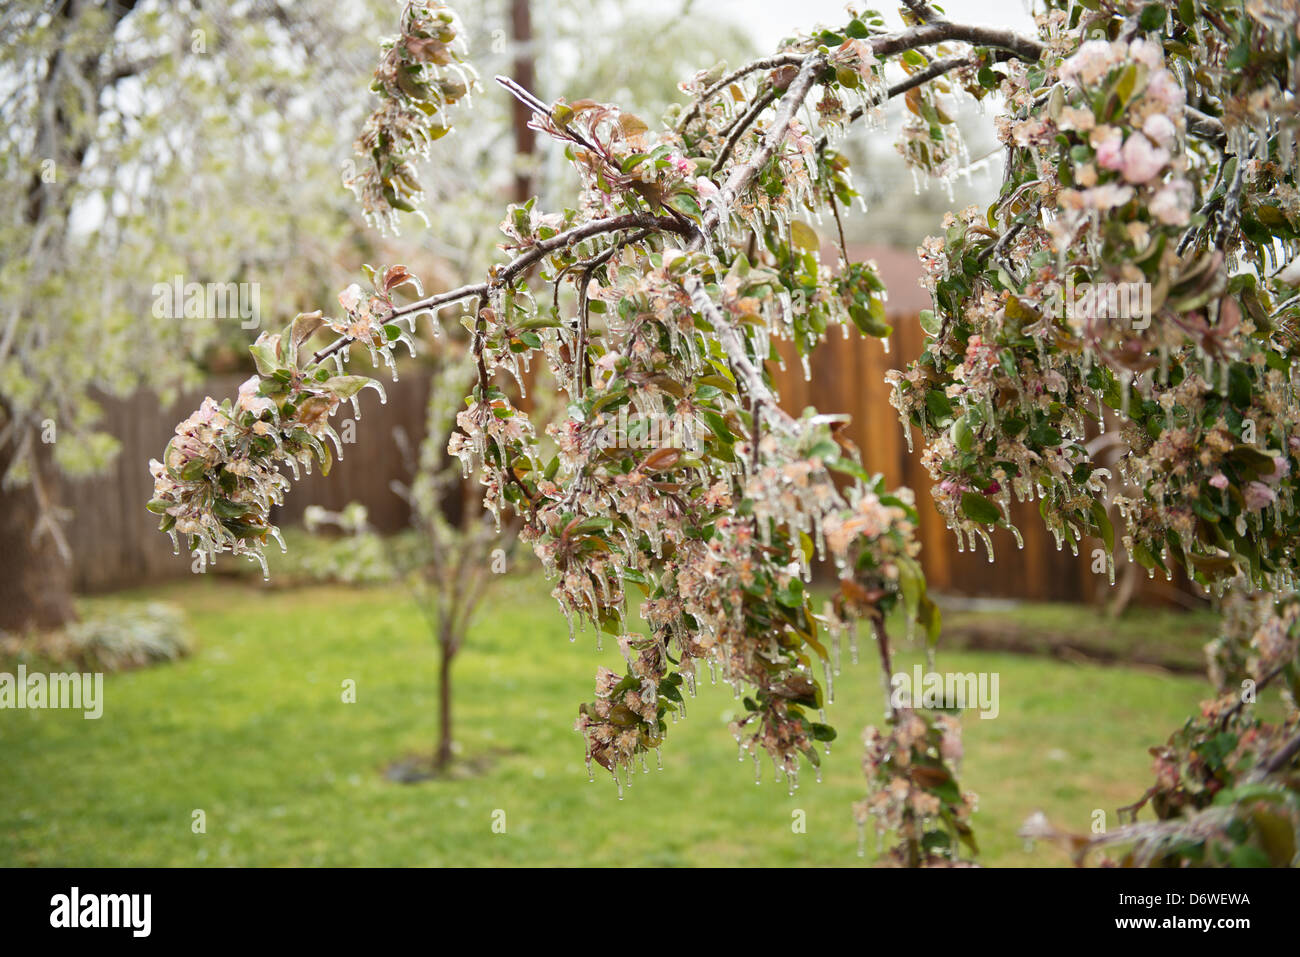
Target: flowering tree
(124, 128)
(1147, 144)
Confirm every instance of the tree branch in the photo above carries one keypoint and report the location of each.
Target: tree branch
(506, 273)
(767, 63)
(936, 69)
(741, 176)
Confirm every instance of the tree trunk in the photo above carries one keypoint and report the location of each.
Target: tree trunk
(35, 581)
(442, 759)
(525, 69)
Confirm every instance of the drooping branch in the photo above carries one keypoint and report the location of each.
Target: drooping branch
(936, 69)
(742, 175)
(733, 344)
(534, 254)
(941, 31)
(767, 63)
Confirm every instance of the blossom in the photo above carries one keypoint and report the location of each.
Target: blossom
(1164, 90)
(1147, 53)
(1141, 159)
(1090, 62)
(1281, 469)
(350, 298)
(1159, 128)
(249, 400)
(1258, 496)
(705, 188)
(1075, 118)
(1108, 142)
(1172, 204)
(1107, 196)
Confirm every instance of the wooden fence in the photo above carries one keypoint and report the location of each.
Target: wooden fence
(849, 377)
(117, 543)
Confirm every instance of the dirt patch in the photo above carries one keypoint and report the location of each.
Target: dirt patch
(1009, 637)
(415, 768)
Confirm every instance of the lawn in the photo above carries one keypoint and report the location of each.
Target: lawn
(253, 731)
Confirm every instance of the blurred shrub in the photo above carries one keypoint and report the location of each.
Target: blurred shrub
(338, 548)
(132, 636)
(112, 639)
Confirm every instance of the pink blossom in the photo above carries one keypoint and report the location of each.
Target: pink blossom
(1090, 62)
(1159, 129)
(1076, 118)
(1258, 495)
(1164, 89)
(1142, 160)
(249, 400)
(1172, 205)
(1107, 196)
(1147, 53)
(950, 746)
(1219, 480)
(1281, 469)
(1108, 143)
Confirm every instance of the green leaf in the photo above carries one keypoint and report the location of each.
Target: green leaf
(870, 319)
(1152, 17)
(911, 583)
(345, 386)
(1101, 519)
(823, 732)
(979, 509)
(929, 617)
(264, 357)
(804, 236)
(938, 405)
(963, 436)
(718, 425)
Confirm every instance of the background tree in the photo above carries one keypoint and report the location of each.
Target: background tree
(457, 556)
(124, 129)
(1146, 143)
(457, 544)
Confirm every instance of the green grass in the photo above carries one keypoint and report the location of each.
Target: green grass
(253, 731)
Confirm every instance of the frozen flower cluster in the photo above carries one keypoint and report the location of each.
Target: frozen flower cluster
(914, 795)
(423, 72)
(1103, 282)
(223, 470)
